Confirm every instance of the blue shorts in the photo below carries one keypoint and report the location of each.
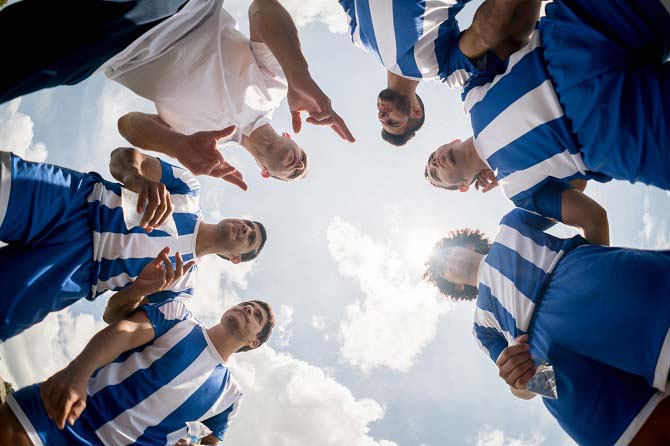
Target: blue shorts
(606, 61)
(607, 339)
(28, 407)
(48, 262)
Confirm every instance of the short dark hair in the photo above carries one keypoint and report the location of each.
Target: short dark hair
(247, 256)
(266, 331)
(413, 125)
(459, 238)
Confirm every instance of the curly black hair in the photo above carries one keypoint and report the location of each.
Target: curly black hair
(460, 238)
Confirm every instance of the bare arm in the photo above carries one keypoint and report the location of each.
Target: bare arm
(197, 152)
(581, 211)
(64, 394)
(270, 23)
(500, 25)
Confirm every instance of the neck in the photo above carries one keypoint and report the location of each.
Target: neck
(402, 85)
(259, 143)
(472, 163)
(206, 241)
(224, 342)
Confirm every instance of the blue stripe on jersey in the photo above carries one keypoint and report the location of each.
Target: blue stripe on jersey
(526, 276)
(218, 424)
(445, 34)
(160, 323)
(165, 295)
(527, 150)
(192, 409)
(349, 7)
(174, 184)
(109, 268)
(488, 302)
(408, 27)
(526, 75)
(491, 339)
(366, 29)
(111, 220)
(533, 227)
(109, 403)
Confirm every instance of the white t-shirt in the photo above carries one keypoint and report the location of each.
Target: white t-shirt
(201, 72)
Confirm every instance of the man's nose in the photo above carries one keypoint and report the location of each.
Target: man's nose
(381, 115)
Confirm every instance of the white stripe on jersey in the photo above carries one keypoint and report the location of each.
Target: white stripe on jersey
(184, 203)
(515, 121)
(185, 282)
(381, 12)
(5, 183)
(128, 426)
(132, 246)
(476, 94)
(509, 296)
(487, 319)
(540, 256)
(116, 372)
(561, 165)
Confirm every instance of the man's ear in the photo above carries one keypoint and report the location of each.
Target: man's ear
(416, 112)
(286, 135)
(265, 173)
(254, 343)
(455, 140)
(463, 188)
(235, 260)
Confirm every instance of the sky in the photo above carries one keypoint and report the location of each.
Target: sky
(364, 353)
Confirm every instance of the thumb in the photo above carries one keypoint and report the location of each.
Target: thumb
(522, 339)
(218, 134)
(297, 121)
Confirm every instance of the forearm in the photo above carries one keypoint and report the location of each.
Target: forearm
(523, 394)
(149, 132)
(598, 232)
(106, 346)
(505, 25)
(123, 304)
(210, 440)
(269, 22)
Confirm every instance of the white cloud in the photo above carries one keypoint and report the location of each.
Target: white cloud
(397, 318)
(318, 323)
(281, 335)
(16, 134)
(655, 232)
(46, 347)
(497, 437)
(288, 402)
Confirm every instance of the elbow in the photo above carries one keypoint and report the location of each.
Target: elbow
(124, 125)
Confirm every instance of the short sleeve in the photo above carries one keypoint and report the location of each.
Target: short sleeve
(178, 180)
(165, 315)
(490, 340)
(218, 424)
(547, 199)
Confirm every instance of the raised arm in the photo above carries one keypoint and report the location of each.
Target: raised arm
(581, 211)
(269, 22)
(156, 276)
(500, 25)
(64, 394)
(197, 152)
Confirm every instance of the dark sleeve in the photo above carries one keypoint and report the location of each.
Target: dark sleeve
(547, 199)
(218, 424)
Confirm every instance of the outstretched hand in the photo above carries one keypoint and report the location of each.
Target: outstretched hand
(64, 396)
(159, 274)
(304, 95)
(199, 154)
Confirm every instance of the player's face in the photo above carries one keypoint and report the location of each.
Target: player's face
(288, 161)
(457, 264)
(245, 321)
(444, 168)
(239, 236)
(393, 111)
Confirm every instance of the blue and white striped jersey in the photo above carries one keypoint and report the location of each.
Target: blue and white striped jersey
(512, 277)
(146, 395)
(119, 253)
(522, 133)
(415, 39)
